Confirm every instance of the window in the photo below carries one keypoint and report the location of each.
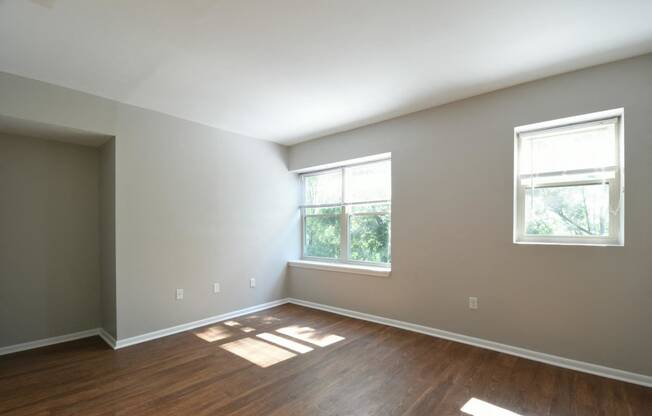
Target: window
(346, 214)
(569, 181)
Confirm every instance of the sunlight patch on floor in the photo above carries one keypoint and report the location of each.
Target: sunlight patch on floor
(285, 343)
(477, 407)
(258, 352)
(232, 323)
(247, 329)
(213, 333)
(310, 335)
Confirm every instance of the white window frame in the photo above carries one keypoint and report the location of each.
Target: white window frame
(345, 218)
(616, 235)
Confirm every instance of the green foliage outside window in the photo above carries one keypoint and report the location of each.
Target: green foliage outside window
(370, 238)
(568, 210)
(322, 238)
(346, 213)
(369, 227)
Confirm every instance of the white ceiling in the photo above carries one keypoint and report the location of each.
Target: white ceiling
(291, 70)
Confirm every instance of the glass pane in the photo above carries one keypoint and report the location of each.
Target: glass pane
(567, 210)
(371, 208)
(322, 237)
(369, 182)
(323, 188)
(370, 240)
(533, 181)
(324, 211)
(585, 147)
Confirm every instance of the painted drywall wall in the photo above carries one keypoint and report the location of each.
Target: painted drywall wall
(107, 237)
(194, 206)
(37, 101)
(197, 206)
(49, 239)
(452, 225)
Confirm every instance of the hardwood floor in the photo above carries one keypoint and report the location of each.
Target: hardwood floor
(326, 365)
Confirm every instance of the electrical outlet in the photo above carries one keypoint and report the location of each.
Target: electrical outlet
(179, 294)
(252, 282)
(216, 288)
(473, 302)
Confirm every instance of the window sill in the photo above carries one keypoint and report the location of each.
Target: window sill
(570, 243)
(341, 267)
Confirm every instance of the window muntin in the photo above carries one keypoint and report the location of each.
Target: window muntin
(346, 214)
(569, 181)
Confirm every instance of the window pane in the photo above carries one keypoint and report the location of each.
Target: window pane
(369, 238)
(567, 210)
(584, 147)
(324, 210)
(324, 188)
(598, 175)
(371, 208)
(369, 182)
(322, 236)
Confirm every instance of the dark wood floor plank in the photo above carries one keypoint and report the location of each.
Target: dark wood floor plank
(372, 370)
(363, 384)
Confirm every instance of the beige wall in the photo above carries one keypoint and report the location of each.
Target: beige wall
(452, 225)
(107, 237)
(49, 239)
(195, 206)
(37, 101)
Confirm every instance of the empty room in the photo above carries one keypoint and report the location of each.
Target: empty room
(326, 207)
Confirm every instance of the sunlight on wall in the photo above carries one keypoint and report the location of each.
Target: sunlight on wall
(477, 407)
(213, 333)
(310, 335)
(258, 352)
(286, 343)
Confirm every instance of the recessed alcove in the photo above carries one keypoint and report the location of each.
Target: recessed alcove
(57, 231)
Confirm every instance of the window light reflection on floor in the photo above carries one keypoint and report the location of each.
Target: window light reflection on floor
(258, 352)
(213, 333)
(307, 334)
(267, 348)
(270, 319)
(285, 343)
(477, 407)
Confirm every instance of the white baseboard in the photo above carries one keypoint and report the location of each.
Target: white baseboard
(121, 343)
(48, 341)
(108, 338)
(115, 344)
(582, 366)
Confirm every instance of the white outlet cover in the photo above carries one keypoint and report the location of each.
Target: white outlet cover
(179, 294)
(252, 282)
(216, 288)
(473, 302)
